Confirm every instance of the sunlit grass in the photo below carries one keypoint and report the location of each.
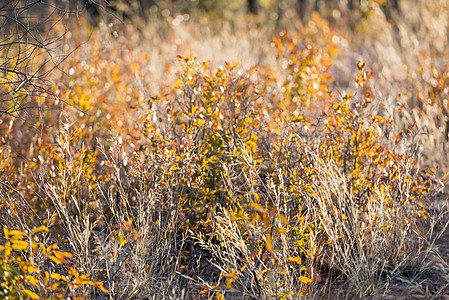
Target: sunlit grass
(246, 162)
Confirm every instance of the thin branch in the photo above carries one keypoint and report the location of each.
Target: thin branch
(4, 184)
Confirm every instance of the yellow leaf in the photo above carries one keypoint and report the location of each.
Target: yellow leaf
(32, 269)
(56, 276)
(204, 291)
(243, 268)
(100, 286)
(229, 283)
(31, 279)
(19, 245)
(231, 275)
(34, 247)
(268, 243)
(51, 247)
(282, 230)
(56, 260)
(63, 256)
(17, 234)
(30, 294)
(7, 248)
(39, 229)
(262, 273)
(47, 278)
(305, 280)
(74, 272)
(84, 277)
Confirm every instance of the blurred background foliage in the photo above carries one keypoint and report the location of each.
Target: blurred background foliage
(210, 10)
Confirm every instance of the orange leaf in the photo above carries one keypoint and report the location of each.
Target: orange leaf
(360, 65)
(295, 259)
(204, 292)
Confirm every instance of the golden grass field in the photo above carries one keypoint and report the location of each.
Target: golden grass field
(187, 154)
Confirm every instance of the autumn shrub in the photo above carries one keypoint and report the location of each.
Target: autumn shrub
(260, 205)
(429, 102)
(22, 257)
(368, 199)
(404, 52)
